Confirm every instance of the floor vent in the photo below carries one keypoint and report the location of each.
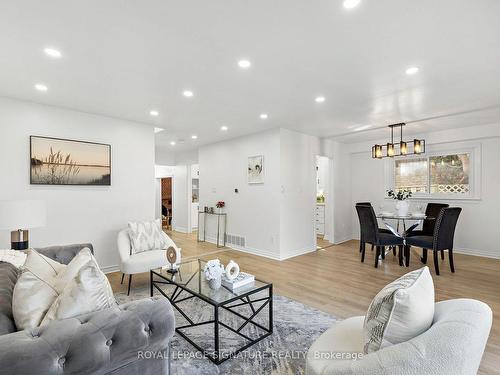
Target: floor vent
(235, 240)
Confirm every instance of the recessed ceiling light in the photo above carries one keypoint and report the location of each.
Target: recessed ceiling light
(224, 128)
(320, 99)
(172, 143)
(157, 130)
(412, 70)
(349, 4)
(244, 64)
(52, 52)
(194, 136)
(187, 93)
(154, 113)
(41, 87)
(264, 116)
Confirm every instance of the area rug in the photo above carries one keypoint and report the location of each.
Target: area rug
(296, 326)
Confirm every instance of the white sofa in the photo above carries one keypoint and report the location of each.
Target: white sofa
(453, 345)
(140, 262)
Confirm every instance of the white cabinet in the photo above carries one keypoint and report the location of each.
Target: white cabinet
(320, 219)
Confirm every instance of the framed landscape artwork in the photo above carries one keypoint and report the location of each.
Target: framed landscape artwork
(256, 169)
(55, 161)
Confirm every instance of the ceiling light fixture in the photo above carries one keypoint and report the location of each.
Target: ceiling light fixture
(412, 70)
(52, 52)
(194, 136)
(349, 4)
(188, 93)
(397, 149)
(154, 113)
(264, 116)
(320, 99)
(172, 143)
(41, 87)
(157, 130)
(244, 64)
(224, 128)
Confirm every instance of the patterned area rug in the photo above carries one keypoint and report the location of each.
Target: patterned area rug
(296, 326)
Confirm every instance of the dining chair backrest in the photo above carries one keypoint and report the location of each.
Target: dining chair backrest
(444, 231)
(432, 210)
(368, 225)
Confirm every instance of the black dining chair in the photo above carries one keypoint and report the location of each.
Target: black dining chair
(432, 210)
(381, 230)
(442, 238)
(370, 234)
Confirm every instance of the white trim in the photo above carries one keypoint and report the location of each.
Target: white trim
(298, 253)
(477, 253)
(110, 269)
(180, 229)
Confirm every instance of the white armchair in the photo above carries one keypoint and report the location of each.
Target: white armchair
(454, 344)
(140, 262)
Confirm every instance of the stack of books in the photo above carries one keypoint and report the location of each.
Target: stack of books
(243, 279)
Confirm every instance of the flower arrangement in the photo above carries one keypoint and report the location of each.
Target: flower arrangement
(213, 269)
(400, 195)
(220, 204)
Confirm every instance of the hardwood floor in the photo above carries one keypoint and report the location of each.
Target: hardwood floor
(335, 281)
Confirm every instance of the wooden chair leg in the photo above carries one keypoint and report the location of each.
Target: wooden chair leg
(129, 282)
(373, 246)
(436, 262)
(123, 275)
(442, 254)
(401, 251)
(452, 265)
(363, 248)
(360, 245)
(377, 253)
(424, 256)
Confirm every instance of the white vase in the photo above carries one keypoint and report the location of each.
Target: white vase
(402, 207)
(215, 283)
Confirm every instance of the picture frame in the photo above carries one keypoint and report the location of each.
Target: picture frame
(255, 169)
(60, 161)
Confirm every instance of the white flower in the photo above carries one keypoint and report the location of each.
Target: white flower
(213, 269)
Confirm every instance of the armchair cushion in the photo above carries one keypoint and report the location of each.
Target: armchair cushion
(145, 261)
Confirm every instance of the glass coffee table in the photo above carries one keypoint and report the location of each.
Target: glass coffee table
(240, 318)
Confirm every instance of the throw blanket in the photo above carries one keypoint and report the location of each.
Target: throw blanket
(14, 257)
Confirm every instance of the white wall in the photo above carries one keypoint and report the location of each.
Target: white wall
(298, 193)
(477, 223)
(79, 213)
(253, 212)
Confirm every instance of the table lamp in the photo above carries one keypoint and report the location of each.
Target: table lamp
(18, 217)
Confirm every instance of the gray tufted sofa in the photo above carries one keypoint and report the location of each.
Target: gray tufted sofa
(132, 338)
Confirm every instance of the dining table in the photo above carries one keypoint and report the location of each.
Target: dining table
(412, 217)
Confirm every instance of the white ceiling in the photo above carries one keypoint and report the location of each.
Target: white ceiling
(122, 58)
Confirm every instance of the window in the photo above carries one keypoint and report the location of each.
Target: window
(438, 175)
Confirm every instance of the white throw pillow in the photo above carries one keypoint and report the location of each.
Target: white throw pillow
(35, 290)
(400, 311)
(71, 270)
(146, 235)
(88, 291)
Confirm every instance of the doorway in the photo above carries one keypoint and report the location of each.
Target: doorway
(166, 203)
(324, 215)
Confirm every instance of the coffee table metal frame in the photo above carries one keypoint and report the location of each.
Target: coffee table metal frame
(157, 279)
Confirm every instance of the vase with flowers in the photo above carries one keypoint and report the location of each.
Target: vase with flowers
(220, 205)
(213, 273)
(402, 205)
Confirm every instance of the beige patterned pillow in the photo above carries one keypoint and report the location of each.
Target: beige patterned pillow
(35, 290)
(146, 235)
(87, 292)
(400, 311)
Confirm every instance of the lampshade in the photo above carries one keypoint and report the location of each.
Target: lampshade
(22, 214)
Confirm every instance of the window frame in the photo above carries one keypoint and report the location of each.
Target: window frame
(474, 151)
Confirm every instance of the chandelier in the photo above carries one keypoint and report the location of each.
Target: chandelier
(400, 148)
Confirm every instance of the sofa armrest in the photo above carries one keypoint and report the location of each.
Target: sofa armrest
(64, 254)
(95, 343)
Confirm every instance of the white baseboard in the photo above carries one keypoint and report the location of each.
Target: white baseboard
(342, 240)
(298, 253)
(477, 253)
(180, 229)
(110, 269)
